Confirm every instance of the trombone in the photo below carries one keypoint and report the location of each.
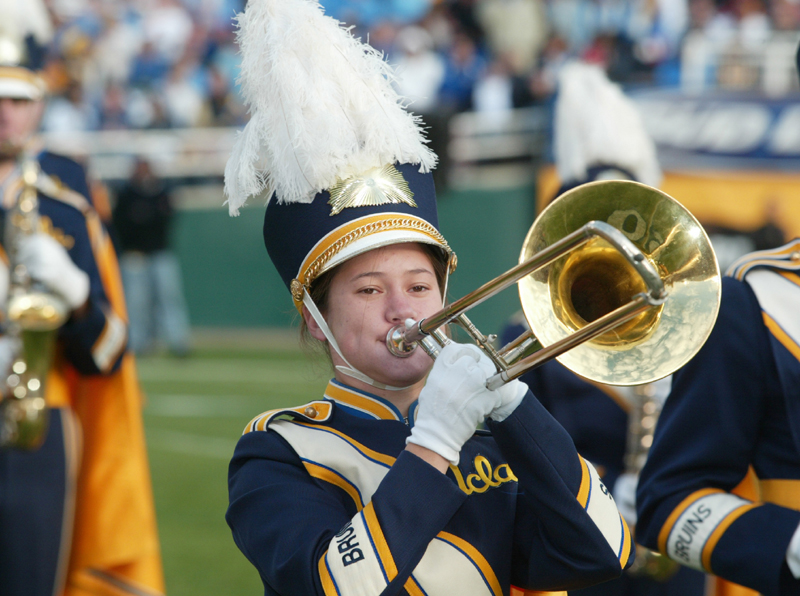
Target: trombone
(617, 280)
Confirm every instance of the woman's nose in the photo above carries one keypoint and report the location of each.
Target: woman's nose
(399, 308)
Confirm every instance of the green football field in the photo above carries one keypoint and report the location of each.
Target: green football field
(197, 407)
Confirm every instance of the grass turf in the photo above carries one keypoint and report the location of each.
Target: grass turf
(197, 408)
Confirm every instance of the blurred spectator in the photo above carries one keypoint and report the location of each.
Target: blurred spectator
(717, 26)
(369, 13)
(420, 70)
(185, 94)
(544, 81)
(151, 273)
(785, 15)
(463, 67)
(420, 74)
(149, 68)
(112, 111)
(754, 23)
(69, 113)
(516, 30)
(494, 91)
(463, 14)
(168, 27)
(731, 243)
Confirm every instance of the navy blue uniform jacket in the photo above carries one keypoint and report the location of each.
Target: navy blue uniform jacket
(325, 500)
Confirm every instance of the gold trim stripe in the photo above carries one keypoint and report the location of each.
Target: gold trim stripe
(515, 591)
(345, 235)
(586, 482)
(261, 422)
(626, 543)
(325, 577)
(785, 493)
(359, 401)
(781, 335)
(326, 475)
(476, 558)
(663, 535)
(722, 527)
(21, 74)
(772, 258)
(379, 540)
(370, 453)
(412, 587)
(792, 277)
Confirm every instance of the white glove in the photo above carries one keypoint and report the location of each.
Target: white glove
(793, 554)
(511, 395)
(454, 401)
(624, 493)
(48, 262)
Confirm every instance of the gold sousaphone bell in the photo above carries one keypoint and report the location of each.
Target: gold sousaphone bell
(618, 281)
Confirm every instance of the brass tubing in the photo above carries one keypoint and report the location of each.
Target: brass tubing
(639, 304)
(544, 257)
(490, 288)
(515, 343)
(481, 341)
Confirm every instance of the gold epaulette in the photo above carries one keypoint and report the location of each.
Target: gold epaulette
(315, 411)
(786, 258)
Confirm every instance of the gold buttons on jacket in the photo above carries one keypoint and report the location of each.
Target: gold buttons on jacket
(311, 412)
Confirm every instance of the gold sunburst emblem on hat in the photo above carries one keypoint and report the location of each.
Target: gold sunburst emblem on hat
(377, 186)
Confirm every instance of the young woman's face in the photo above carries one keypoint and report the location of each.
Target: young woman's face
(370, 294)
(19, 119)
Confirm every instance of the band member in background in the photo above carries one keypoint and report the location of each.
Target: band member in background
(383, 485)
(599, 135)
(76, 513)
(736, 404)
(734, 407)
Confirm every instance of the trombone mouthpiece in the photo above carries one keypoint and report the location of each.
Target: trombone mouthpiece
(397, 344)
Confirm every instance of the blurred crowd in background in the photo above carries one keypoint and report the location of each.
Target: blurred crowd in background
(141, 64)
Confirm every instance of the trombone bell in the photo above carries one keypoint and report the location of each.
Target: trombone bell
(564, 296)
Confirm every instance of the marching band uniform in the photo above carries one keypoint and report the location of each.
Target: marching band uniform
(64, 505)
(596, 418)
(77, 514)
(369, 510)
(325, 498)
(376, 520)
(736, 404)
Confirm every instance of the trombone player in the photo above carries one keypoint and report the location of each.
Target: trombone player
(67, 493)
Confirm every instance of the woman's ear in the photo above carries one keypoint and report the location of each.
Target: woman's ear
(312, 325)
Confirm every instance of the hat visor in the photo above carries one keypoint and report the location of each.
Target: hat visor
(379, 240)
(19, 83)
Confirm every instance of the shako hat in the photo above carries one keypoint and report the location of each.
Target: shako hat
(345, 166)
(25, 32)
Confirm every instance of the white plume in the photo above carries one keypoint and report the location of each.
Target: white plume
(321, 104)
(595, 123)
(25, 17)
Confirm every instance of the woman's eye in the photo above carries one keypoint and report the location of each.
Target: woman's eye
(420, 288)
(368, 291)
